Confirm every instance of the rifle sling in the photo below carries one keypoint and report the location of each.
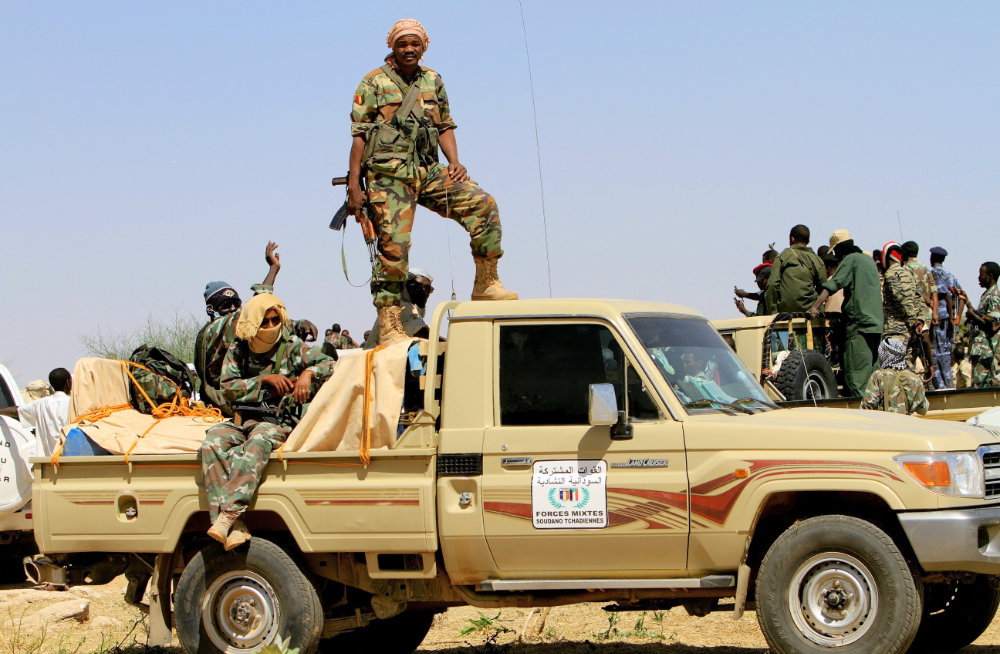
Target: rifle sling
(409, 100)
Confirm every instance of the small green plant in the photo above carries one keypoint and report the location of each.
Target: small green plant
(658, 617)
(550, 634)
(488, 627)
(639, 630)
(612, 630)
(279, 648)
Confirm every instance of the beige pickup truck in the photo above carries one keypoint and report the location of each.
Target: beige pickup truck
(792, 355)
(567, 451)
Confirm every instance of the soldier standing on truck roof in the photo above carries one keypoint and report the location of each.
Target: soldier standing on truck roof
(265, 364)
(797, 275)
(862, 309)
(984, 322)
(893, 387)
(400, 117)
(222, 304)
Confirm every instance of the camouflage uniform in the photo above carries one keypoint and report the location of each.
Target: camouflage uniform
(396, 184)
(210, 347)
(233, 458)
(896, 391)
(901, 302)
(342, 342)
(983, 350)
(944, 330)
(926, 286)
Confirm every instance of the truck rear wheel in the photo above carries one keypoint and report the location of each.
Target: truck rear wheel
(955, 614)
(400, 634)
(837, 582)
(806, 375)
(242, 600)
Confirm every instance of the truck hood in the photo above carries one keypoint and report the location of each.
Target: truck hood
(853, 429)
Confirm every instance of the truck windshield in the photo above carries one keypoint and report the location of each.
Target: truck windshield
(702, 370)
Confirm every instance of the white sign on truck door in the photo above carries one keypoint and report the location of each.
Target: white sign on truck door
(569, 494)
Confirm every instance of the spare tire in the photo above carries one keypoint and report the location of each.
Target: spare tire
(17, 445)
(806, 375)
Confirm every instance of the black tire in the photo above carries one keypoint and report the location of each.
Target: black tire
(806, 375)
(955, 614)
(837, 583)
(400, 634)
(241, 600)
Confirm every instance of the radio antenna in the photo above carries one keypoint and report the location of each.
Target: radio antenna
(538, 147)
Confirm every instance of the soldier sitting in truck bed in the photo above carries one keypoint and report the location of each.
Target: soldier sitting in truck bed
(266, 364)
(222, 303)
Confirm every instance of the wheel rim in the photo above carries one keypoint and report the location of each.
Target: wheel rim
(833, 599)
(815, 387)
(240, 611)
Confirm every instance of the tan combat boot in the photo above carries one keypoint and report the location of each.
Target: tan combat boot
(220, 528)
(390, 329)
(238, 535)
(487, 285)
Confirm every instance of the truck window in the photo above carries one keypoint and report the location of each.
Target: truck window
(545, 371)
(6, 401)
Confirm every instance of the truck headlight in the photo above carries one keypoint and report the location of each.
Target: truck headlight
(948, 473)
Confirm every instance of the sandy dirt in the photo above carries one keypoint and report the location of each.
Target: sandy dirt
(113, 626)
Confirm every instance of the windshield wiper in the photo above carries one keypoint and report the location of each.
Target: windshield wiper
(748, 400)
(702, 404)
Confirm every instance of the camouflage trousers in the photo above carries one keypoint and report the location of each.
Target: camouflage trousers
(233, 460)
(985, 372)
(394, 199)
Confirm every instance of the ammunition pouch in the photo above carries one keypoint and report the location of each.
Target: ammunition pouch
(408, 136)
(417, 146)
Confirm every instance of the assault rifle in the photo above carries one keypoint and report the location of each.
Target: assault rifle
(365, 218)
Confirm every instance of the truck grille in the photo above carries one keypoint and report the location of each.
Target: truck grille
(459, 465)
(991, 470)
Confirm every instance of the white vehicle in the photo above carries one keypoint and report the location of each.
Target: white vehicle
(17, 446)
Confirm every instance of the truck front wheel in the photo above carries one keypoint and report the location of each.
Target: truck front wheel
(837, 582)
(242, 600)
(955, 614)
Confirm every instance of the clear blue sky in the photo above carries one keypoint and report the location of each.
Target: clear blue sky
(146, 148)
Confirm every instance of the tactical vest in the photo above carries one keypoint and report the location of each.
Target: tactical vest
(408, 136)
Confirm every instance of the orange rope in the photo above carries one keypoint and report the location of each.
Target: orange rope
(366, 434)
(178, 406)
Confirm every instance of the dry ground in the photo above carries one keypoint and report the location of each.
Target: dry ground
(114, 627)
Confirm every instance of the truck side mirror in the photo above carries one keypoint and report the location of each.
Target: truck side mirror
(603, 411)
(603, 405)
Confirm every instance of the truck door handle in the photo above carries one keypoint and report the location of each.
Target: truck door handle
(515, 461)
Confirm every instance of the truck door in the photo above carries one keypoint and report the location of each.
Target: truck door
(561, 498)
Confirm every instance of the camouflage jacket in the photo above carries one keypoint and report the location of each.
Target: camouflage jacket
(926, 285)
(897, 391)
(901, 301)
(242, 369)
(378, 98)
(795, 278)
(210, 347)
(983, 346)
(343, 342)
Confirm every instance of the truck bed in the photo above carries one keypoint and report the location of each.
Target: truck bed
(96, 503)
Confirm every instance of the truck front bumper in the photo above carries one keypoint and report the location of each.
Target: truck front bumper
(956, 539)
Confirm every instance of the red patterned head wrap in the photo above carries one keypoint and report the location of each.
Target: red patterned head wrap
(405, 27)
